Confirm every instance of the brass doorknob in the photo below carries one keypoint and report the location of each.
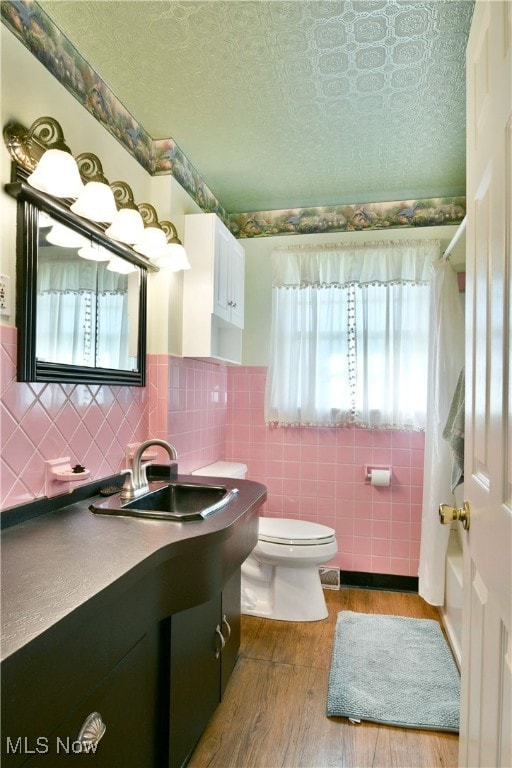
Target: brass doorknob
(448, 514)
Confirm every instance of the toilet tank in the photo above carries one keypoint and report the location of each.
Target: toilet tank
(223, 469)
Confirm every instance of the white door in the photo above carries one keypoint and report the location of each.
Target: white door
(486, 725)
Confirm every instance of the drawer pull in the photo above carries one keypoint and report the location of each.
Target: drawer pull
(222, 641)
(92, 729)
(226, 623)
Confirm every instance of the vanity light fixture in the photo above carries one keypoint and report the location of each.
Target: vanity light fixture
(96, 201)
(65, 237)
(173, 256)
(44, 220)
(127, 225)
(153, 238)
(49, 166)
(57, 174)
(94, 252)
(117, 264)
(54, 169)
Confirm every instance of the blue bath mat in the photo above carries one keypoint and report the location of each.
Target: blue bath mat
(393, 670)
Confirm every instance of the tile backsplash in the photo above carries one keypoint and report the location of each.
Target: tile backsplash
(188, 407)
(92, 424)
(210, 412)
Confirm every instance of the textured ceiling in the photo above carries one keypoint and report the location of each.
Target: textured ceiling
(290, 104)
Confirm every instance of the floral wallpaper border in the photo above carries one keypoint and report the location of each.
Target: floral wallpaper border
(350, 218)
(31, 25)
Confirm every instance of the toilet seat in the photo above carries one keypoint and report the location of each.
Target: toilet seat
(294, 532)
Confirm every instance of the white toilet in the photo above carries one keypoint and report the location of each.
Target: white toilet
(281, 578)
(222, 469)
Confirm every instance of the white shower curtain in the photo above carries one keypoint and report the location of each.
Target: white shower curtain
(446, 359)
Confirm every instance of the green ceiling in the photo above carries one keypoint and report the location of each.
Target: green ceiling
(290, 104)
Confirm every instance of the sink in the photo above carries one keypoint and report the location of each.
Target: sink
(170, 501)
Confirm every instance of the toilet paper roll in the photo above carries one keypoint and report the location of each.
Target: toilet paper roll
(380, 477)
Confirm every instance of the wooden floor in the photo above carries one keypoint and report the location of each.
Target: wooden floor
(273, 711)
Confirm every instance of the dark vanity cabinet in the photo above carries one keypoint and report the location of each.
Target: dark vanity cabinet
(130, 668)
(123, 704)
(103, 669)
(152, 686)
(204, 644)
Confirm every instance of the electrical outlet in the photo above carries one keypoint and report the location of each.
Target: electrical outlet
(5, 295)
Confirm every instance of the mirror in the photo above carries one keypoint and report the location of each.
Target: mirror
(80, 299)
(87, 301)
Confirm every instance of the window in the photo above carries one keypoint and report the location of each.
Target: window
(349, 339)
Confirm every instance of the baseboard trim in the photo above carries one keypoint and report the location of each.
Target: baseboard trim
(384, 581)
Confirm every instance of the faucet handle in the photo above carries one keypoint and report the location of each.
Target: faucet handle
(143, 474)
(128, 489)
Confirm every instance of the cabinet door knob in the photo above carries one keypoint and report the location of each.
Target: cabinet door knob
(225, 622)
(92, 730)
(222, 641)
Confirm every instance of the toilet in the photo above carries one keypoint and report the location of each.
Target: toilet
(281, 577)
(222, 469)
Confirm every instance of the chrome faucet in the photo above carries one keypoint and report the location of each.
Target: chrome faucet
(136, 482)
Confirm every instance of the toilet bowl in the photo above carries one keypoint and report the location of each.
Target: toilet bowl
(281, 578)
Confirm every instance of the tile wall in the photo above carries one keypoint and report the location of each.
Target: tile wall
(90, 424)
(210, 413)
(185, 402)
(188, 406)
(318, 475)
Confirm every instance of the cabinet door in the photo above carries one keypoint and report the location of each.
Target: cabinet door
(195, 669)
(237, 284)
(222, 296)
(231, 611)
(126, 702)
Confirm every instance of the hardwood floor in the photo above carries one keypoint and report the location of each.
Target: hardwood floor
(273, 712)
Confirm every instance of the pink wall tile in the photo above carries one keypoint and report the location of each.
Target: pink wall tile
(195, 421)
(322, 474)
(209, 413)
(90, 424)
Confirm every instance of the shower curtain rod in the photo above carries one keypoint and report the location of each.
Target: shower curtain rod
(455, 239)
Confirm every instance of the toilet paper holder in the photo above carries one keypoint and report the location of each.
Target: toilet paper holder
(368, 469)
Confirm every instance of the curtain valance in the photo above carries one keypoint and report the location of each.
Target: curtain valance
(79, 276)
(346, 264)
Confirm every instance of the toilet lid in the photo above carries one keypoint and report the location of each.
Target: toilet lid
(299, 532)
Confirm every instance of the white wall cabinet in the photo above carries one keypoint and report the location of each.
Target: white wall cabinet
(213, 291)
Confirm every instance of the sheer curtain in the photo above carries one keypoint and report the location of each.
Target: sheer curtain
(349, 335)
(82, 314)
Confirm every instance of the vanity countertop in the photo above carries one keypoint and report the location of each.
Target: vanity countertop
(55, 564)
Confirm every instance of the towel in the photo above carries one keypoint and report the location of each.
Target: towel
(453, 432)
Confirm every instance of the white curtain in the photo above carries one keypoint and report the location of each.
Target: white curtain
(446, 359)
(349, 335)
(82, 314)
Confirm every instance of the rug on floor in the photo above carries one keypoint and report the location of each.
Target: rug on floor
(393, 670)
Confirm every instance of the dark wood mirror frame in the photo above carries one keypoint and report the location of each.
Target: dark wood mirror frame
(29, 203)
